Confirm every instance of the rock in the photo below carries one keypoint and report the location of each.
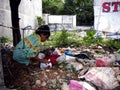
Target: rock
(65, 86)
(76, 65)
(43, 83)
(38, 82)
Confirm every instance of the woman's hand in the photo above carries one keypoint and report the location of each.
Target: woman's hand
(40, 60)
(44, 61)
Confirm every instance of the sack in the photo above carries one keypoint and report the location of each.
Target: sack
(74, 85)
(80, 85)
(104, 78)
(102, 62)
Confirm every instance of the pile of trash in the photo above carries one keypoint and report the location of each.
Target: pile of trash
(73, 68)
(90, 57)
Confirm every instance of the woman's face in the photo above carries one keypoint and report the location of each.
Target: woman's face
(43, 37)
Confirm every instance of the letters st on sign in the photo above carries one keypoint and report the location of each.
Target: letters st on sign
(110, 6)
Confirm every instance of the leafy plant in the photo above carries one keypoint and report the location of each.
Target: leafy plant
(65, 39)
(113, 43)
(5, 39)
(61, 39)
(40, 20)
(90, 39)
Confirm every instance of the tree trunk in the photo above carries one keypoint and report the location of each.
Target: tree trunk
(14, 4)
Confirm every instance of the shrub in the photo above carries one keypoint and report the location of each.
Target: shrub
(40, 20)
(5, 39)
(113, 43)
(61, 38)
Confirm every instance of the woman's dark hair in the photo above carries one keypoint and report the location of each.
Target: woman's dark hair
(43, 29)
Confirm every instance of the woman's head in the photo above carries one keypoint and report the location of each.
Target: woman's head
(44, 32)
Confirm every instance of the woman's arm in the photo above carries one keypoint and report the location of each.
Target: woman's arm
(40, 60)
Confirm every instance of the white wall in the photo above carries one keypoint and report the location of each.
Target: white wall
(28, 10)
(57, 22)
(62, 19)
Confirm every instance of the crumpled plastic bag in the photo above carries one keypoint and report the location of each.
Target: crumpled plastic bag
(75, 85)
(65, 58)
(56, 51)
(80, 85)
(62, 58)
(102, 62)
(41, 55)
(103, 77)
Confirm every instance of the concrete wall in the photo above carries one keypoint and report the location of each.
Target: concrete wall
(28, 10)
(57, 22)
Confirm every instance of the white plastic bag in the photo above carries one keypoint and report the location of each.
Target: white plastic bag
(41, 55)
(102, 77)
(65, 58)
(62, 58)
(56, 51)
(69, 58)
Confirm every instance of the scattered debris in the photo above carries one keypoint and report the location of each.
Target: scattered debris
(74, 69)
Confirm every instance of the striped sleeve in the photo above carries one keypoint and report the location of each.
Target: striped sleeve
(32, 45)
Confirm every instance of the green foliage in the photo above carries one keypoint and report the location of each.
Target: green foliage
(52, 6)
(62, 64)
(90, 39)
(83, 9)
(113, 43)
(40, 20)
(73, 69)
(61, 38)
(65, 39)
(5, 39)
(74, 39)
(85, 12)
